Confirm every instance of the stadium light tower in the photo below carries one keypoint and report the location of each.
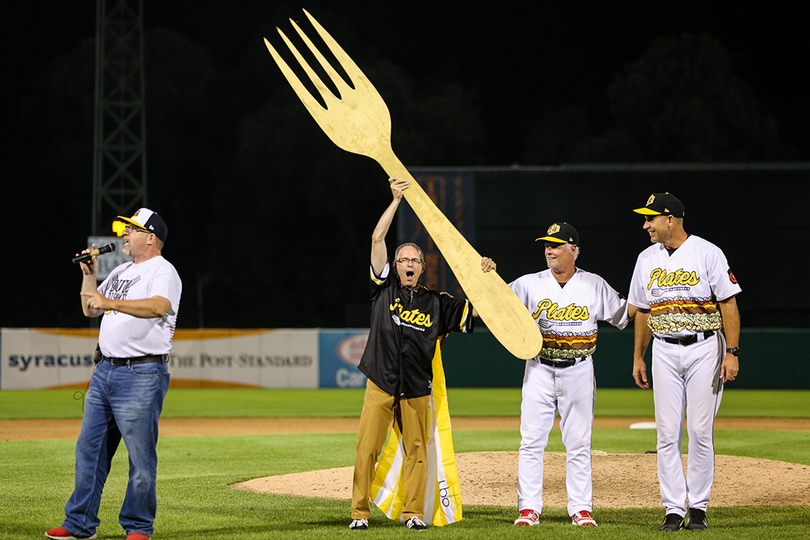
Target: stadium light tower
(119, 150)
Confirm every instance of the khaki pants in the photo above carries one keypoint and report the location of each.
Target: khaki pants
(379, 409)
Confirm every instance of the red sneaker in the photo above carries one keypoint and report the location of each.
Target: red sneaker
(528, 517)
(59, 533)
(583, 517)
(137, 536)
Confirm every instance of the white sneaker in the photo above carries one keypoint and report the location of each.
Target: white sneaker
(416, 524)
(528, 517)
(583, 517)
(359, 525)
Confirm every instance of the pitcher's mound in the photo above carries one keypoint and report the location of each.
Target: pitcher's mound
(619, 481)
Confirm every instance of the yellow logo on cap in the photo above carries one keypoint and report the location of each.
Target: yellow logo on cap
(650, 200)
(554, 229)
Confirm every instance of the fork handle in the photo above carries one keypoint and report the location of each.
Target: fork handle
(497, 305)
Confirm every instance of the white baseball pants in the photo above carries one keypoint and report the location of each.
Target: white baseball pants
(546, 389)
(686, 377)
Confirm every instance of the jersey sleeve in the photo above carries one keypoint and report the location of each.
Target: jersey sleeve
(456, 314)
(614, 306)
(723, 283)
(376, 283)
(638, 295)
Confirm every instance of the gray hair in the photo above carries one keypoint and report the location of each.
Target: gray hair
(411, 244)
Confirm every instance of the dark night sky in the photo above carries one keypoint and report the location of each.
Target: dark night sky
(515, 57)
(513, 49)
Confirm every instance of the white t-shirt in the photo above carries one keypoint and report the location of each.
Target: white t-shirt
(125, 336)
(682, 290)
(567, 316)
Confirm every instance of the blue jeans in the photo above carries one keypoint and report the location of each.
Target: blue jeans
(123, 401)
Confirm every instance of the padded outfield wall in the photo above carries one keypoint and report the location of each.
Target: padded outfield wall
(771, 359)
(318, 358)
(260, 358)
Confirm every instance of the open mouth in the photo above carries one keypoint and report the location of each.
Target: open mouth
(409, 274)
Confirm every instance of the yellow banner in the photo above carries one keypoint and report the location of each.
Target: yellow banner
(443, 493)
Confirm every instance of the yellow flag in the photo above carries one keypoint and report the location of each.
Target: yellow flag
(442, 493)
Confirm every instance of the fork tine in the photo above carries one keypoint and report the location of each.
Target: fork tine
(355, 74)
(325, 92)
(309, 101)
(340, 83)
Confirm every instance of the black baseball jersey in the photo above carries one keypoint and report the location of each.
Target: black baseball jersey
(406, 324)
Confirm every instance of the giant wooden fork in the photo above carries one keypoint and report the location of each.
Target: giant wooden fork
(358, 121)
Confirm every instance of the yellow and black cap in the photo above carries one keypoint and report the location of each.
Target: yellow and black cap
(662, 204)
(149, 221)
(561, 233)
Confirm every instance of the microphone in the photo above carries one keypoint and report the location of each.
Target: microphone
(98, 251)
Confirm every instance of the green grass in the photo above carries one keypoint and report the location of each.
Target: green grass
(195, 502)
(735, 403)
(230, 403)
(36, 477)
(197, 403)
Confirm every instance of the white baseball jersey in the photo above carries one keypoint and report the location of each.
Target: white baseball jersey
(567, 316)
(122, 335)
(682, 290)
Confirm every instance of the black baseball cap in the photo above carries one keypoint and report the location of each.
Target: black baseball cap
(146, 219)
(561, 233)
(662, 204)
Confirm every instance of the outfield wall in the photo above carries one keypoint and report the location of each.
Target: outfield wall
(319, 358)
(263, 358)
(771, 359)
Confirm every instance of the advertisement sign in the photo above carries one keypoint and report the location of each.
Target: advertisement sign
(53, 358)
(340, 352)
(258, 358)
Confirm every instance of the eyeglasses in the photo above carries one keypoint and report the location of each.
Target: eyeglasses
(131, 228)
(406, 261)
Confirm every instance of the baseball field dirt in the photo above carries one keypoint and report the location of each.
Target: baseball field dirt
(619, 481)
(490, 478)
